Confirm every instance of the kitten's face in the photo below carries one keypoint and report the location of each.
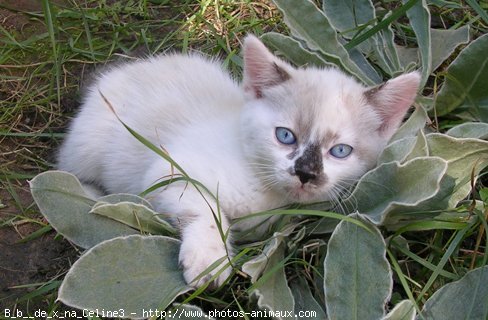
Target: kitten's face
(308, 140)
(309, 133)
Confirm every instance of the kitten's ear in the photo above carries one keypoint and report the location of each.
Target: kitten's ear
(392, 99)
(261, 68)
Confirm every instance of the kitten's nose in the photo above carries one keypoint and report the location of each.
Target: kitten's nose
(305, 176)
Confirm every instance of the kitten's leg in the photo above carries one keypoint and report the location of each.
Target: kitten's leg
(202, 245)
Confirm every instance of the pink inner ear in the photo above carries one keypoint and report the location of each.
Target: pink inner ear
(261, 68)
(392, 100)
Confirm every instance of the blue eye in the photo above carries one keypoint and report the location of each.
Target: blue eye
(340, 150)
(285, 136)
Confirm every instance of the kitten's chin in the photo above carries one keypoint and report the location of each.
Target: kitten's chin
(304, 193)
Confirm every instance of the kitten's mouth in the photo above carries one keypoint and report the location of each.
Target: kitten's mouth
(303, 192)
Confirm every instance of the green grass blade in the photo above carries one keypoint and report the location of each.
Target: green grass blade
(425, 263)
(36, 234)
(380, 26)
(317, 213)
(476, 7)
(402, 278)
(48, 17)
(438, 269)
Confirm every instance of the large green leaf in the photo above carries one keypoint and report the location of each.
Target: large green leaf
(411, 127)
(363, 63)
(409, 57)
(132, 274)
(63, 202)
(465, 84)
(393, 193)
(357, 276)
(384, 193)
(443, 45)
(464, 299)
(419, 17)
(318, 34)
(293, 50)
(347, 16)
(444, 42)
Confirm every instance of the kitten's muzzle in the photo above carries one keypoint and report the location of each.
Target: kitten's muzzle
(309, 166)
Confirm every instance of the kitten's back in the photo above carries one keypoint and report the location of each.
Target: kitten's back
(156, 97)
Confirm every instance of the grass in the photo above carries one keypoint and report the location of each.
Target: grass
(47, 53)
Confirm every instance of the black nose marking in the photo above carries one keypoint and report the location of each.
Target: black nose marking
(305, 176)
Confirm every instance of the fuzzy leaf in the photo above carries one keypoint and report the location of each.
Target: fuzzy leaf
(135, 215)
(273, 292)
(420, 148)
(462, 157)
(61, 199)
(363, 63)
(405, 149)
(133, 274)
(444, 42)
(397, 150)
(357, 276)
(293, 50)
(419, 17)
(347, 16)
(385, 192)
(466, 298)
(407, 56)
(322, 226)
(256, 266)
(404, 310)
(318, 34)
(465, 84)
(476, 130)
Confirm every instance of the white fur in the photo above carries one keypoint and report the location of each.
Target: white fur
(223, 136)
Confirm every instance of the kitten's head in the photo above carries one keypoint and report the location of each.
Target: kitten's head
(310, 132)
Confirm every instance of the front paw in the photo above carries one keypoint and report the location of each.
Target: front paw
(196, 258)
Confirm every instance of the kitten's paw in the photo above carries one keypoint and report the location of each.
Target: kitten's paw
(196, 258)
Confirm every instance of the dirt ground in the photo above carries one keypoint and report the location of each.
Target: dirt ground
(31, 262)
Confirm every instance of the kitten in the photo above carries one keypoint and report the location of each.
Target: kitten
(285, 135)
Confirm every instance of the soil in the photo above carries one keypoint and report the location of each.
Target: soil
(31, 262)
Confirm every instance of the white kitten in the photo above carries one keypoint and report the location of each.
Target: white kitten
(286, 135)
